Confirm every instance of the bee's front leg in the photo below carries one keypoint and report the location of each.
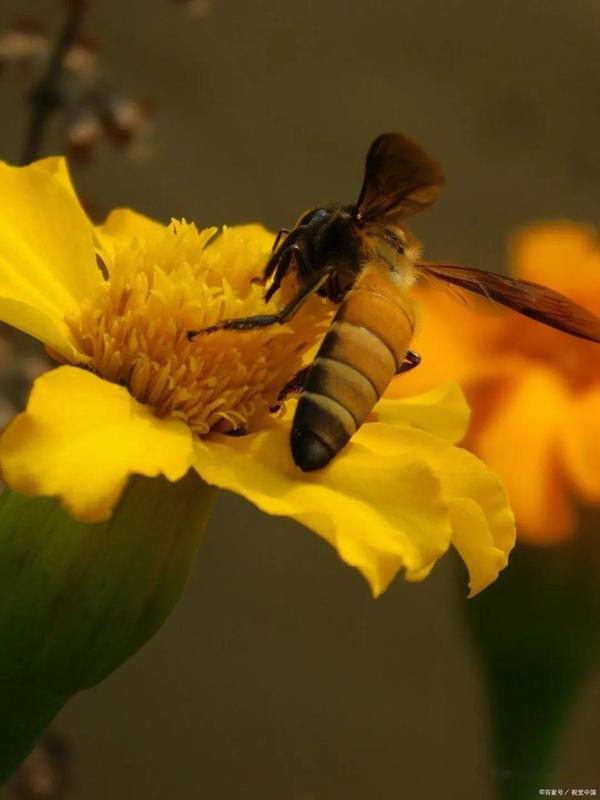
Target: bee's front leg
(282, 232)
(274, 261)
(311, 285)
(294, 251)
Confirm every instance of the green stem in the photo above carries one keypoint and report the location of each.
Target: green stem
(528, 718)
(537, 633)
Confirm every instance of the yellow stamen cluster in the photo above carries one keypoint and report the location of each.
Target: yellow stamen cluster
(134, 329)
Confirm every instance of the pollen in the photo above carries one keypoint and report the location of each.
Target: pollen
(172, 280)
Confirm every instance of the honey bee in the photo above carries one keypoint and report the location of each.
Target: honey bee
(363, 259)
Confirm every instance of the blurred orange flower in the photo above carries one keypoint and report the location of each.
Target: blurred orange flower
(534, 391)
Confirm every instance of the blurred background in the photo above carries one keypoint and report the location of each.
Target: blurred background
(278, 677)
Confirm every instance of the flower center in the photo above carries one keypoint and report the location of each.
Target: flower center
(167, 282)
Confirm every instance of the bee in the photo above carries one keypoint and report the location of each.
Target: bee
(363, 259)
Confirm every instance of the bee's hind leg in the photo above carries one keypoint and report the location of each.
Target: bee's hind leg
(295, 384)
(411, 360)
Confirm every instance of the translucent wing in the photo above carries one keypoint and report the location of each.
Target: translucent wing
(400, 179)
(531, 299)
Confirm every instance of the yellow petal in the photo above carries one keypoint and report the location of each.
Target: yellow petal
(47, 259)
(57, 167)
(121, 229)
(124, 225)
(80, 439)
(43, 324)
(580, 444)
(473, 537)
(442, 411)
(381, 503)
(482, 523)
(520, 441)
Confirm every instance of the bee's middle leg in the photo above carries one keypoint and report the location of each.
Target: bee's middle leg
(282, 232)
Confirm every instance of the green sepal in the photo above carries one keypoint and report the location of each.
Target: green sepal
(78, 599)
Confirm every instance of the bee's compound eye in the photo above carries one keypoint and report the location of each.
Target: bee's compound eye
(313, 215)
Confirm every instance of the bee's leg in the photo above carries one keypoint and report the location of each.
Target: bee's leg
(282, 232)
(270, 268)
(281, 271)
(275, 260)
(294, 385)
(294, 251)
(411, 360)
(313, 282)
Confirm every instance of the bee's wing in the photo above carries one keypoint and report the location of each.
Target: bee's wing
(400, 179)
(531, 299)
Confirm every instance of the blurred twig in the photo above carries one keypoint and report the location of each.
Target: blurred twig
(45, 97)
(44, 775)
(198, 8)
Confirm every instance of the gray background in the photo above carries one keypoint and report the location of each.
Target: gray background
(277, 677)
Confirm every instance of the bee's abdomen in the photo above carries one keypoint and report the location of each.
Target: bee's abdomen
(360, 353)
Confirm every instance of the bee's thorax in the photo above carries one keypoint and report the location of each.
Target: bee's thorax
(395, 249)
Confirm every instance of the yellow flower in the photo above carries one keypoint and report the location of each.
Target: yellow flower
(534, 391)
(134, 396)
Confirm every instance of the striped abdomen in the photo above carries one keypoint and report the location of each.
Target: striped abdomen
(362, 350)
